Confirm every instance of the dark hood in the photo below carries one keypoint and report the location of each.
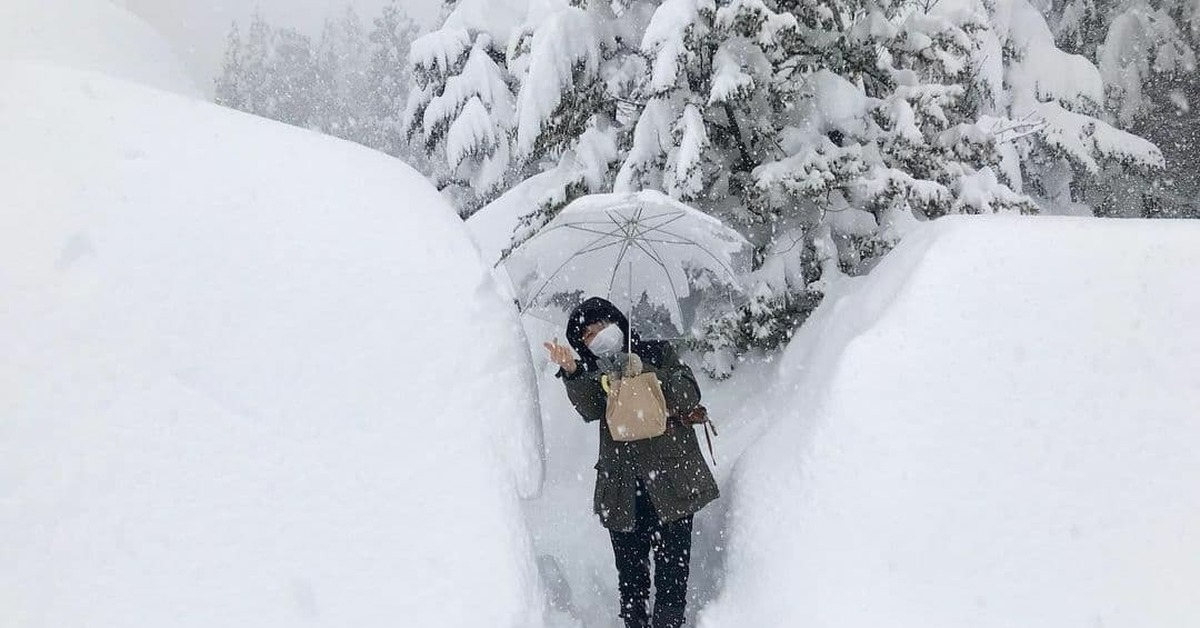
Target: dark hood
(595, 310)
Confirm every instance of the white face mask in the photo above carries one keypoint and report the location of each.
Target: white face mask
(608, 342)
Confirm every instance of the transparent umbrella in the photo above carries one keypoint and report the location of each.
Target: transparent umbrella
(669, 266)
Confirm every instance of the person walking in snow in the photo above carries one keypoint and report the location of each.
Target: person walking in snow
(646, 490)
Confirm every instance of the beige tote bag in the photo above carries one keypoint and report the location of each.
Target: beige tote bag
(637, 409)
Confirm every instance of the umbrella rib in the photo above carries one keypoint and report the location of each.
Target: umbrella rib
(552, 227)
(612, 279)
(666, 271)
(660, 228)
(687, 240)
(664, 241)
(629, 230)
(594, 248)
(637, 220)
(584, 222)
(652, 254)
(573, 223)
(670, 218)
(630, 227)
(591, 230)
(590, 248)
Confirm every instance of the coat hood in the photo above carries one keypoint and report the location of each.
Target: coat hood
(594, 310)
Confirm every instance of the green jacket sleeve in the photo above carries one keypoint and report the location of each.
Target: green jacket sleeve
(678, 382)
(585, 393)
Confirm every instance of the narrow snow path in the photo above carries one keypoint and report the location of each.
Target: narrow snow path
(574, 555)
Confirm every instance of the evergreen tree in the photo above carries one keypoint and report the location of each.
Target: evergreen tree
(349, 84)
(271, 73)
(1147, 54)
(295, 83)
(820, 130)
(342, 59)
(389, 81)
(230, 88)
(463, 111)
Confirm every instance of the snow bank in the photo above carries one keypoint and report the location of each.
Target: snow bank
(495, 224)
(252, 376)
(91, 35)
(996, 428)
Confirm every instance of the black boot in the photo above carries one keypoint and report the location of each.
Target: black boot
(667, 616)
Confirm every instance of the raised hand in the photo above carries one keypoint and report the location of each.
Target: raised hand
(561, 355)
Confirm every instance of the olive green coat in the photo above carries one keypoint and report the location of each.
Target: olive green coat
(671, 466)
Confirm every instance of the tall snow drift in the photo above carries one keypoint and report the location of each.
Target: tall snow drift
(252, 377)
(998, 427)
(91, 35)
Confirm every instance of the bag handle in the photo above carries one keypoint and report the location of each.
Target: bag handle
(699, 416)
(708, 426)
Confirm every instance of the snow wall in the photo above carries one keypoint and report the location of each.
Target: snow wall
(252, 376)
(998, 427)
(93, 35)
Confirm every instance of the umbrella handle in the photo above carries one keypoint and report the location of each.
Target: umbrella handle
(629, 339)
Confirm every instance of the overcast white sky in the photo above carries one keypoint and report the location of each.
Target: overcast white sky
(198, 28)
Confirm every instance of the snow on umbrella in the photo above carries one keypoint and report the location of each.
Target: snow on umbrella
(669, 266)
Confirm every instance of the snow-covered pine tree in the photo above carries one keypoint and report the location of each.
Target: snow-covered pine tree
(506, 94)
(573, 65)
(821, 130)
(230, 88)
(1147, 54)
(463, 107)
(244, 80)
(349, 84)
(294, 89)
(271, 72)
(389, 82)
(828, 128)
(342, 58)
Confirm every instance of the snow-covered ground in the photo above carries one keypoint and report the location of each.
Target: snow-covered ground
(936, 447)
(998, 427)
(995, 428)
(575, 556)
(252, 376)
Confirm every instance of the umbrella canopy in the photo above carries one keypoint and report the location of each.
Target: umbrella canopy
(669, 266)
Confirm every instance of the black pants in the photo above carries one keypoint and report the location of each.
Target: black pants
(670, 544)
